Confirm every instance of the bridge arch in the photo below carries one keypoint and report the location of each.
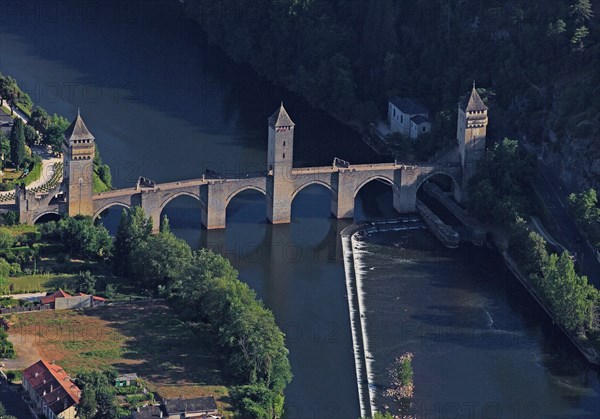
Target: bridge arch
(244, 188)
(177, 195)
(309, 183)
(424, 178)
(53, 212)
(383, 178)
(109, 205)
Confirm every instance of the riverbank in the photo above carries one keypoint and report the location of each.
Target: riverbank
(589, 353)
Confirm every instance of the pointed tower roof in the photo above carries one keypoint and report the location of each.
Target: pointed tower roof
(280, 118)
(77, 130)
(473, 102)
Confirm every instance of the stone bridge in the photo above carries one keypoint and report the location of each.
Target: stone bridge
(280, 183)
(214, 195)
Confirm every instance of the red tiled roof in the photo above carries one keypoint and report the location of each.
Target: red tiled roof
(94, 297)
(49, 299)
(53, 385)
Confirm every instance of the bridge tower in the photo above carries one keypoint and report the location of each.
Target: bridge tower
(78, 158)
(279, 161)
(471, 133)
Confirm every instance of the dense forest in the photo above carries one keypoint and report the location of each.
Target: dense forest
(537, 60)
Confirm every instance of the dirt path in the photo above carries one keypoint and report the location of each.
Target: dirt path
(27, 352)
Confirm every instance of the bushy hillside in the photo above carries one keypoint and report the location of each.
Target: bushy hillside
(539, 60)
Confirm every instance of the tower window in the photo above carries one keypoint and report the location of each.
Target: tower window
(401, 118)
(284, 155)
(284, 143)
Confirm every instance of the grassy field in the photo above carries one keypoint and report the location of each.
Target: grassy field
(38, 283)
(20, 229)
(145, 338)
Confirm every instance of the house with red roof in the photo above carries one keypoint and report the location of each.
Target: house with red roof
(51, 297)
(62, 300)
(50, 388)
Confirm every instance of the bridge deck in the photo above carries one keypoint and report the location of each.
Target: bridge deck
(204, 181)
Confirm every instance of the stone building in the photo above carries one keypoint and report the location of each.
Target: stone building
(50, 388)
(471, 133)
(78, 151)
(408, 116)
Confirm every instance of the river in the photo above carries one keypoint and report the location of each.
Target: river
(163, 104)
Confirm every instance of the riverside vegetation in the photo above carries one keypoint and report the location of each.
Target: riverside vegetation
(41, 129)
(502, 194)
(539, 59)
(201, 287)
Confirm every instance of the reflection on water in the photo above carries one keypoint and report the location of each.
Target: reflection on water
(192, 109)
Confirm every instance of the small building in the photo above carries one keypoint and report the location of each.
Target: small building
(60, 300)
(6, 122)
(200, 407)
(125, 380)
(51, 297)
(50, 388)
(408, 116)
(148, 412)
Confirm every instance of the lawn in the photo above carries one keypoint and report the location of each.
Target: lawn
(20, 229)
(145, 338)
(38, 283)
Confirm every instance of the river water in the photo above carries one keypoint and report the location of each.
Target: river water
(163, 104)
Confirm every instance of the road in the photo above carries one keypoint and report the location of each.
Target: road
(555, 196)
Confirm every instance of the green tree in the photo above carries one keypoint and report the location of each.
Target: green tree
(568, 293)
(579, 35)
(4, 147)
(81, 237)
(499, 190)
(87, 283)
(379, 415)
(6, 240)
(24, 100)
(54, 137)
(60, 121)
(587, 214)
(582, 11)
(257, 401)
(101, 403)
(40, 120)
(159, 260)
(17, 143)
(7, 349)
(86, 409)
(9, 91)
(134, 229)
(104, 174)
(248, 338)
(5, 270)
(556, 30)
(110, 290)
(31, 136)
